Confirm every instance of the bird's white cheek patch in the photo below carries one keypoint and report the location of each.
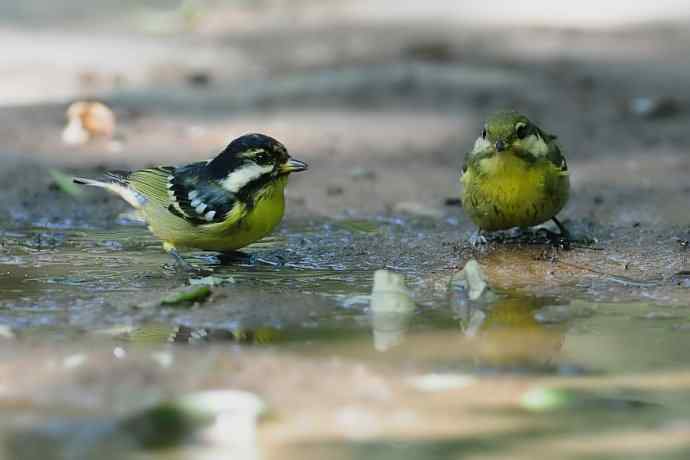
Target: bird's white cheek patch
(535, 145)
(481, 144)
(244, 175)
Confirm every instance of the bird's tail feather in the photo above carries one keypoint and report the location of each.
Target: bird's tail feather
(119, 176)
(119, 187)
(91, 182)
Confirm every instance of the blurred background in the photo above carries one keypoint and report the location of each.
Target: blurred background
(356, 88)
(382, 99)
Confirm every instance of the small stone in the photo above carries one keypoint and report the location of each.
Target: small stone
(334, 190)
(199, 78)
(472, 278)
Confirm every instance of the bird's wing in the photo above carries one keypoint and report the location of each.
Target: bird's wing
(200, 199)
(188, 193)
(465, 163)
(554, 154)
(150, 183)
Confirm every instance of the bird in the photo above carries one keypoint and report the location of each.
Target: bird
(221, 204)
(515, 176)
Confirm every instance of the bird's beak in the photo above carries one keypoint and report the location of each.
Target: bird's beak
(500, 146)
(293, 165)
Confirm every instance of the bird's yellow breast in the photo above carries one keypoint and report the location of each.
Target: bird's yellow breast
(505, 191)
(242, 227)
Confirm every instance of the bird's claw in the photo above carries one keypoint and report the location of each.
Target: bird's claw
(236, 257)
(184, 269)
(557, 240)
(242, 258)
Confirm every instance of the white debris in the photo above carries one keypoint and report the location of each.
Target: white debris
(119, 353)
(391, 307)
(74, 361)
(441, 382)
(472, 278)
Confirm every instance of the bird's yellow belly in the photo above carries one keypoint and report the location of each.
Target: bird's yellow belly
(505, 192)
(224, 236)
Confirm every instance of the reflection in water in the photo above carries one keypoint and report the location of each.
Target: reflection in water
(506, 332)
(498, 331)
(157, 333)
(391, 308)
(223, 418)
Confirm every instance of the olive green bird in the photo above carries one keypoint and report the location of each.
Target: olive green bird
(515, 176)
(221, 204)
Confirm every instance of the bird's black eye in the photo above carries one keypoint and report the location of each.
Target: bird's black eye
(484, 133)
(521, 130)
(262, 158)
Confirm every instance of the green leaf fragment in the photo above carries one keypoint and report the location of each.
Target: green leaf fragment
(65, 184)
(548, 399)
(196, 294)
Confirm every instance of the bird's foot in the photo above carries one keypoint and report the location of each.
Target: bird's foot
(563, 241)
(557, 240)
(236, 258)
(187, 271)
(242, 258)
(184, 269)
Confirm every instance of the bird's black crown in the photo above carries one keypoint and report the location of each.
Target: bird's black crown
(267, 149)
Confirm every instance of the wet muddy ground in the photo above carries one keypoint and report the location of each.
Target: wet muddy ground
(383, 113)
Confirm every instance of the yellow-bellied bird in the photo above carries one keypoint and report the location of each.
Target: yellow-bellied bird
(221, 204)
(515, 176)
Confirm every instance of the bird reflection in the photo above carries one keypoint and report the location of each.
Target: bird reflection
(506, 333)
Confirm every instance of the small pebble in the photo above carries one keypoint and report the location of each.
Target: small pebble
(199, 78)
(334, 190)
(452, 201)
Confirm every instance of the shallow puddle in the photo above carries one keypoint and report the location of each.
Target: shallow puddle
(294, 324)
